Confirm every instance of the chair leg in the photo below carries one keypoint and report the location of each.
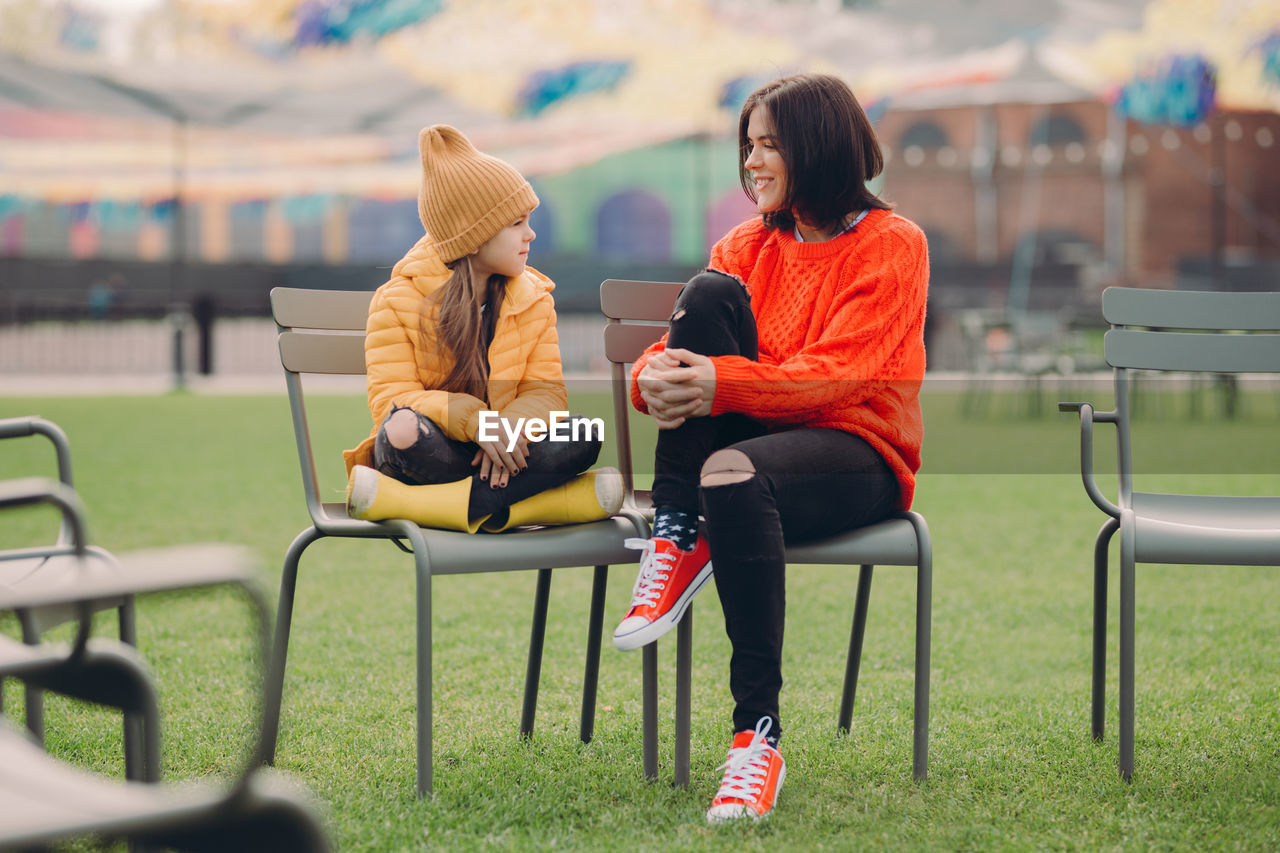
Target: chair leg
(537, 636)
(280, 647)
(1127, 614)
(422, 567)
(855, 647)
(649, 714)
(1098, 710)
(128, 616)
(133, 730)
(591, 678)
(107, 677)
(684, 678)
(924, 635)
(34, 695)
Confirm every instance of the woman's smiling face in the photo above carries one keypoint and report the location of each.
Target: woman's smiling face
(764, 161)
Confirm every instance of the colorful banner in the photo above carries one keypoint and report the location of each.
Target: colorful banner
(1179, 91)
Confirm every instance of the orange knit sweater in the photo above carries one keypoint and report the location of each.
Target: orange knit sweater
(841, 327)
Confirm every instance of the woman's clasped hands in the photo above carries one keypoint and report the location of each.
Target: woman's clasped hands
(676, 385)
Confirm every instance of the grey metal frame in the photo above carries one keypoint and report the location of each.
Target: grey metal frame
(322, 332)
(44, 800)
(637, 313)
(1171, 331)
(51, 563)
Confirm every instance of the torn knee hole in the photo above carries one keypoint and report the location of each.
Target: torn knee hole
(403, 429)
(726, 467)
(677, 315)
(726, 478)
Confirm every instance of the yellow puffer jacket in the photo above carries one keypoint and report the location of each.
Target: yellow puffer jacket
(525, 375)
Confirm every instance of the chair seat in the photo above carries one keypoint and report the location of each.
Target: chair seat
(56, 568)
(1207, 529)
(143, 571)
(452, 552)
(891, 542)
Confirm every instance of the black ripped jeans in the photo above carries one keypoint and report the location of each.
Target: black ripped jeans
(436, 458)
(808, 483)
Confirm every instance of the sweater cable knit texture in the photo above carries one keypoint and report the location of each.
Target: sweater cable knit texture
(841, 327)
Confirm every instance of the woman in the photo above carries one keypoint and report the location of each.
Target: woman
(462, 355)
(786, 393)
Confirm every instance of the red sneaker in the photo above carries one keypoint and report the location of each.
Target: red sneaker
(753, 776)
(668, 580)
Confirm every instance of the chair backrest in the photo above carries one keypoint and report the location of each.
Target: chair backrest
(320, 332)
(27, 426)
(1196, 331)
(1184, 331)
(637, 313)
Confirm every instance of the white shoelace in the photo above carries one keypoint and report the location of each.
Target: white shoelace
(747, 766)
(654, 568)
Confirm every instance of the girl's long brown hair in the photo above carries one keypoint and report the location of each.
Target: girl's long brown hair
(461, 331)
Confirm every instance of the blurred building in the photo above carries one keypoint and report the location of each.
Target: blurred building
(247, 145)
(1072, 185)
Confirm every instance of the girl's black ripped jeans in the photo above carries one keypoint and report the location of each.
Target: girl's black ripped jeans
(808, 483)
(436, 458)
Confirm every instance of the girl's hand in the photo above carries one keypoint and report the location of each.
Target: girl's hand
(674, 392)
(497, 465)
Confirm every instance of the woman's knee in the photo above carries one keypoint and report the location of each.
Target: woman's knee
(726, 467)
(709, 287)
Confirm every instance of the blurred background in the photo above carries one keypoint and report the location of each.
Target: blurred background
(164, 163)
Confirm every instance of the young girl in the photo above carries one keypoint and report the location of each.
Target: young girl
(461, 344)
(786, 394)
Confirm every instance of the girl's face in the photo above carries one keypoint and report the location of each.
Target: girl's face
(764, 161)
(506, 252)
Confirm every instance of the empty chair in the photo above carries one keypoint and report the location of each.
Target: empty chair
(1171, 331)
(53, 563)
(44, 800)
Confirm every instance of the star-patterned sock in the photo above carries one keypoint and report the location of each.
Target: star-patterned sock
(677, 525)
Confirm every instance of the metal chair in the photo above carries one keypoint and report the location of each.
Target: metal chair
(1182, 331)
(637, 313)
(55, 563)
(43, 800)
(322, 332)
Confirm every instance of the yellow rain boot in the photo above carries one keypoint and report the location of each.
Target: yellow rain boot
(373, 496)
(587, 497)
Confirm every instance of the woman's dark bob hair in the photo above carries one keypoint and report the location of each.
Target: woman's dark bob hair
(827, 144)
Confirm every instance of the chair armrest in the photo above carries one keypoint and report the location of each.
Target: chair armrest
(19, 427)
(28, 491)
(637, 519)
(121, 681)
(1087, 418)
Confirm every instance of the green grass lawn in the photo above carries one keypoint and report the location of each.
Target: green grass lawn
(1011, 762)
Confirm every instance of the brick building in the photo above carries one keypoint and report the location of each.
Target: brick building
(1068, 182)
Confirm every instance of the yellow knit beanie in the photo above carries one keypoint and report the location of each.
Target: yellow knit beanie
(466, 197)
